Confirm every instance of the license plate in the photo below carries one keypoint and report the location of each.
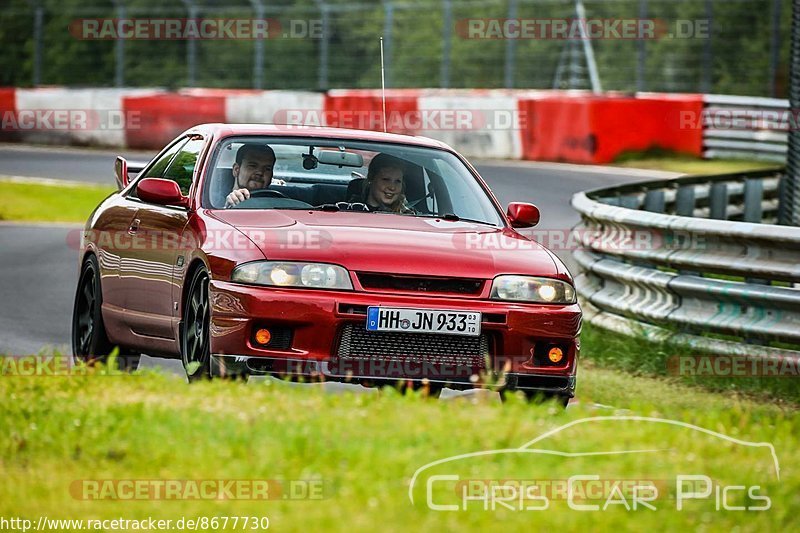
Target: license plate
(424, 321)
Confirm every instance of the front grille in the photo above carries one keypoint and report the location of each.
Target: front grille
(466, 286)
(398, 355)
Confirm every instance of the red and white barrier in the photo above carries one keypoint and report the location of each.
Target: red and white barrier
(572, 126)
(482, 124)
(87, 117)
(271, 107)
(597, 129)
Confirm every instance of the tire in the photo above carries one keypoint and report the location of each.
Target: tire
(195, 346)
(429, 390)
(542, 397)
(90, 342)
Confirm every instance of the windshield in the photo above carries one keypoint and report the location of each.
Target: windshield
(257, 172)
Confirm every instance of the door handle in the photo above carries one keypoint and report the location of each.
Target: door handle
(134, 227)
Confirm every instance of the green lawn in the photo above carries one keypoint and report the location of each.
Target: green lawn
(638, 356)
(35, 202)
(686, 164)
(360, 452)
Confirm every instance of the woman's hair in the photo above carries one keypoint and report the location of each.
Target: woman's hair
(378, 163)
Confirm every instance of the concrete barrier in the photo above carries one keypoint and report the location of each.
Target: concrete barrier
(87, 117)
(572, 126)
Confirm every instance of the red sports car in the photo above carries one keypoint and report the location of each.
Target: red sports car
(325, 253)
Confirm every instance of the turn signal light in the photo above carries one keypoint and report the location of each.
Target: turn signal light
(555, 354)
(263, 336)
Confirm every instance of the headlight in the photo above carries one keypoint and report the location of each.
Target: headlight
(291, 274)
(529, 289)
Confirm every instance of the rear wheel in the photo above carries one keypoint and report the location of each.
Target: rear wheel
(89, 340)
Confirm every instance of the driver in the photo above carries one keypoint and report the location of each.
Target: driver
(251, 171)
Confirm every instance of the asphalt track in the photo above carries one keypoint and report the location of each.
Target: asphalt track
(39, 263)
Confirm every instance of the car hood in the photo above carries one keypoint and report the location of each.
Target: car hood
(374, 242)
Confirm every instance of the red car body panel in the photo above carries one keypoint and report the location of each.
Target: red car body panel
(143, 286)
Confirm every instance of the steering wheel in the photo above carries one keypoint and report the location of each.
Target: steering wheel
(266, 193)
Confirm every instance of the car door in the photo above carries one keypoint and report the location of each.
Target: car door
(148, 270)
(114, 240)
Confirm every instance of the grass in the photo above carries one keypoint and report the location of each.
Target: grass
(49, 203)
(641, 357)
(688, 164)
(364, 449)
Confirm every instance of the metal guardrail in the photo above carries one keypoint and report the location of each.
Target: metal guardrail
(691, 260)
(746, 127)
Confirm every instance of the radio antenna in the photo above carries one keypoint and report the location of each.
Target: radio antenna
(383, 89)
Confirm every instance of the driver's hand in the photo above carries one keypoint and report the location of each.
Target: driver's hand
(239, 195)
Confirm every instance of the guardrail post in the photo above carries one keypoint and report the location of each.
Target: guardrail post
(708, 53)
(641, 53)
(324, 46)
(511, 45)
(191, 46)
(447, 31)
(774, 47)
(119, 48)
(388, 24)
(718, 201)
(258, 48)
(684, 201)
(38, 23)
(654, 201)
(753, 195)
(790, 199)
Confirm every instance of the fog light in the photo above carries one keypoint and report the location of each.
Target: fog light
(555, 354)
(263, 336)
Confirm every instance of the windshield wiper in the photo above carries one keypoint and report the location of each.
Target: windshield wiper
(452, 217)
(340, 206)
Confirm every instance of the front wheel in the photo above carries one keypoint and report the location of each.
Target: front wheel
(537, 397)
(541, 397)
(195, 349)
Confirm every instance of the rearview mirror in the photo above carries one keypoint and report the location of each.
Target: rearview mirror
(121, 172)
(522, 215)
(340, 159)
(160, 191)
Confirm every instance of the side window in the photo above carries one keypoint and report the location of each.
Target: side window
(182, 167)
(157, 170)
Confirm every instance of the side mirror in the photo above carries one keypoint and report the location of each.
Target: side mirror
(160, 191)
(121, 172)
(522, 215)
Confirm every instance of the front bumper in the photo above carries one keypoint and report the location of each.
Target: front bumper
(514, 336)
